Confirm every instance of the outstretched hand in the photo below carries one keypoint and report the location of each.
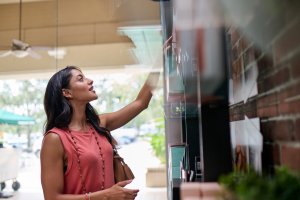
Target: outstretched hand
(152, 79)
(119, 192)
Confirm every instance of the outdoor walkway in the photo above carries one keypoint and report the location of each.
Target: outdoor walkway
(137, 155)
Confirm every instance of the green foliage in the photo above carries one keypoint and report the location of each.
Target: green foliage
(158, 144)
(23, 97)
(157, 141)
(283, 185)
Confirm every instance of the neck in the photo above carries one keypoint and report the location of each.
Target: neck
(79, 120)
(78, 126)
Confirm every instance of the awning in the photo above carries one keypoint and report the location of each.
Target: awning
(14, 119)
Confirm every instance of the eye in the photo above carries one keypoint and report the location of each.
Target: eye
(80, 78)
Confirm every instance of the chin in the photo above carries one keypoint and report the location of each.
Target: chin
(92, 98)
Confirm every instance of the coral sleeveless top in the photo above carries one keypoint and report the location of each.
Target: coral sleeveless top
(90, 162)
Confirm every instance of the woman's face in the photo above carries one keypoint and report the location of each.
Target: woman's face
(80, 88)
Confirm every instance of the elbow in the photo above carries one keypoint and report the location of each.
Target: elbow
(144, 106)
(144, 100)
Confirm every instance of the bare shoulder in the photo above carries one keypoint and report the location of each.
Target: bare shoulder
(51, 138)
(52, 142)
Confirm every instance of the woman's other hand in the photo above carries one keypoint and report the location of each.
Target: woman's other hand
(119, 192)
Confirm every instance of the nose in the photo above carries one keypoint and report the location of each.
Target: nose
(90, 81)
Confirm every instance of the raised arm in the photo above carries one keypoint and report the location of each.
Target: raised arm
(119, 118)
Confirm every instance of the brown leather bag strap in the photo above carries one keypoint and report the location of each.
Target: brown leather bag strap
(113, 143)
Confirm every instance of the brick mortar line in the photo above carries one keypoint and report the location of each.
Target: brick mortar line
(291, 99)
(287, 57)
(295, 144)
(285, 30)
(279, 88)
(293, 117)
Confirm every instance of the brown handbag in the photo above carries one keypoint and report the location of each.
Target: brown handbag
(122, 171)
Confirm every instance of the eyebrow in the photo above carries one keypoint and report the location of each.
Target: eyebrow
(80, 75)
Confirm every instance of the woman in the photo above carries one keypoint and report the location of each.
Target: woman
(76, 154)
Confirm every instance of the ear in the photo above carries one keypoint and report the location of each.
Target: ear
(67, 93)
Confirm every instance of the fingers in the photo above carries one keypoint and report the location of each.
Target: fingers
(123, 183)
(131, 191)
(131, 195)
(152, 79)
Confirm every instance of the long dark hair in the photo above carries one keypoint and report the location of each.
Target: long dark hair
(58, 109)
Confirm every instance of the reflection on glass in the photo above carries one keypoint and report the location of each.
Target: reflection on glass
(244, 85)
(246, 143)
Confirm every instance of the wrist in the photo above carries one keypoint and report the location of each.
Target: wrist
(103, 194)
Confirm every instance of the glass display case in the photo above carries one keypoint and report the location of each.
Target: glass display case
(196, 84)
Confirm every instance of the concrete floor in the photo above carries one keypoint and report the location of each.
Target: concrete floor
(144, 194)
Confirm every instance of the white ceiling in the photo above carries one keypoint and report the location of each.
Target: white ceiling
(95, 34)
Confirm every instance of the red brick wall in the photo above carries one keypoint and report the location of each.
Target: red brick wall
(277, 103)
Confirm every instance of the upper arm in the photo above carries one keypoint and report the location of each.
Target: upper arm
(119, 118)
(52, 175)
